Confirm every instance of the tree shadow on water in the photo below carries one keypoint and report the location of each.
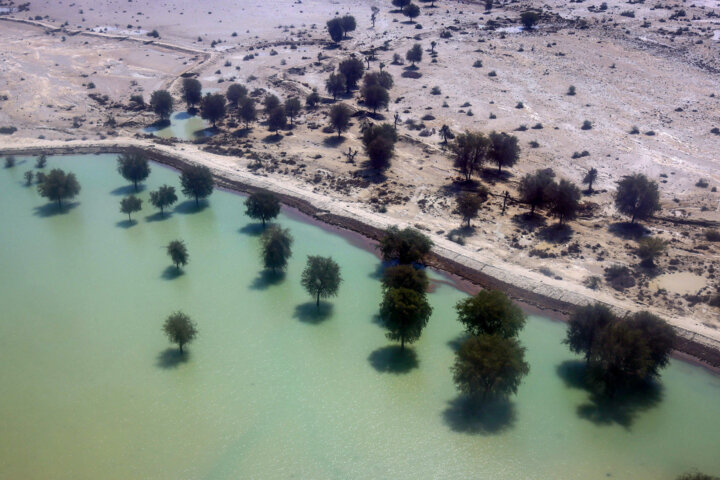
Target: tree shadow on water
(189, 206)
(393, 359)
(158, 217)
(126, 190)
(310, 313)
(171, 273)
(126, 224)
(171, 358)
(480, 417)
(455, 343)
(252, 229)
(621, 409)
(266, 279)
(52, 209)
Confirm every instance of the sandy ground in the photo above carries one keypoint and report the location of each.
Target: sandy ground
(627, 72)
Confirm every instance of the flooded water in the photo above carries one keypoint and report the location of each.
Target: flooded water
(91, 389)
(679, 282)
(183, 126)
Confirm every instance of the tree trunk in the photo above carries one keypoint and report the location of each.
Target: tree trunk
(129, 218)
(499, 167)
(59, 202)
(317, 304)
(135, 183)
(162, 212)
(197, 201)
(402, 343)
(181, 349)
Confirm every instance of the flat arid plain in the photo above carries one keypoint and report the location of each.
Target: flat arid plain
(644, 75)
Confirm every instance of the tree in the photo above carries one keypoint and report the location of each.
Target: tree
(335, 84)
(411, 11)
(340, 118)
(489, 365)
(276, 251)
(178, 253)
(584, 326)
(313, 98)
(660, 337)
(348, 24)
(375, 97)
(564, 197)
(133, 167)
(529, 19)
(446, 134)
(468, 204)
(379, 141)
(590, 178)
(321, 277)
(180, 329)
(163, 197)
(504, 150)
(400, 3)
(9, 161)
(191, 91)
(384, 79)
(212, 108)
(262, 206)
(236, 92)
(270, 102)
(405, 246)
(490, 312)
(414, 55)
(405, 314)
(247, 111)
(58, 186)
(197, 181)
(292, 108)
(130, 205)
(405, 276)
(277, 119)
(696, 476)
(534, 188)
(161, 103)
(352, 69)
(469, 151)
(335, 29)
(28, 177)
(637, 197)
(649, 248)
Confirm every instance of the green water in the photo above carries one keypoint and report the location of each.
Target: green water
(90, 389)
(182, 126)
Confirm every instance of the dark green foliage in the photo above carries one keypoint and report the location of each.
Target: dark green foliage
(270, 102)
(468, 204)
(469, 151)
(584, 326)
(235, 93)
(405, 246)
(405, 276)
(262, 206)
(379, 141)
(534, 188)
(180, 329)
(414, 55)
(411, 11)
(133, 167)
(340, 118)
(313, 98)
(321, 277)
(161, 103)
(130, 205)
(292, 108)
(637, 197)
(405, 314)
(489, 365)
(163, 197)
(529, 19)
(375, 97)
(197, 181)
(28, 177)
(191, 91)
(335, 84)
(58, 186)
(212, 108)
(247, 111)
(564, 197)
(352, 69)
(590, 178)
(41, 161)
(504, 150)
(9, 161)
(276, 251)
(348, 24)
(384, 79)
(178, 253)
(490, 312)
(335, 29)
(277, 119)
(649, 248)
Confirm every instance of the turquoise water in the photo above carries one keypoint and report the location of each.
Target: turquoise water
(182, 126)
(91, 388)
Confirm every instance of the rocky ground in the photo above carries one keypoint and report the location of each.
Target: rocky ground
(648, 65)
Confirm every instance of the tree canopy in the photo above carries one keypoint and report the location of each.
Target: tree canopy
(405, 276)
(247, 111)
(335, 84)
(180, 329)
(270, 103)
(161, 103)
(468, 204)
(321, 277)
(504, 150)
(262, 206)
(178, 253)
(191, 91)
(348, 23)
(649, 248)
(384, 79)
(235, 92)
(129, 205)
(529, 19)
(352, 69)
(469, 151)
(375, 97)
(405, 314)
(277, 119)
(163, 197)
(292, 108)
(584, 325)
(637, 197)
(564, 197)
(276, 248)
(590, 178)
(197, 181)
(414, 55)
(340, 118)
(405, 246)
(335, 29)
(490, 312)
(212, 108)
(411, 11)
(57, 186)
(133, 167)
(379, 141)
(535, 188)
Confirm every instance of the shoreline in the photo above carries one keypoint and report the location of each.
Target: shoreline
(466, 273)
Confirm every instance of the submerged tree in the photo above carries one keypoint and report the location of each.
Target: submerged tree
(585, 325)
(197, 181)
(490, 312)
(405, 276)
(161, 103)
(180, 329)
(262, 206)
(58, 186)
(406, 246)
(191, 91)
(133, 167)
(405, 314)
(130, 205)
(637, 197)
(163, 197)
(178, 253)
(321, 277)
(41, 162)
(28, 177)
(276, 251)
